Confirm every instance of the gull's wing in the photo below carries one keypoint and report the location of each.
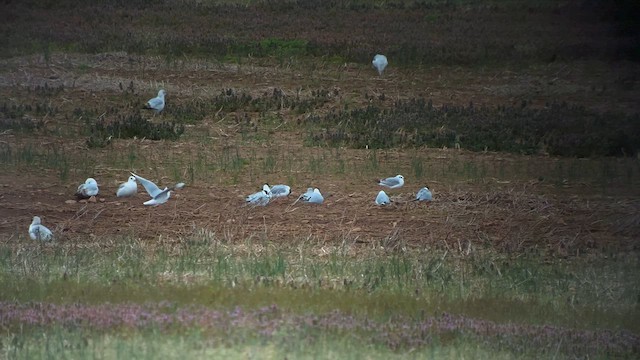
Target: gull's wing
(127, 188)
(151, 188)
(304, 196)
(40, 232)
(253, 197)
(315, 197)
(261, 198)
(155, 103)
(123, 185)
(280, 190)
(382, 198)
(423, 194)
(391, 181)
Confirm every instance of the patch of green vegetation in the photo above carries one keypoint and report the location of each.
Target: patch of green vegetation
(459, 32)
(20, 124)
(132, 126)
(230, 159)
(22, 117)
(49, 157)
(71, 343)
(282, 48)
(558, 129)
(189, 113)
(582, 293)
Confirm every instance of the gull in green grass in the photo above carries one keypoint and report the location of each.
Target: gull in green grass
(380, 63)
(157, 103)
(37, 231)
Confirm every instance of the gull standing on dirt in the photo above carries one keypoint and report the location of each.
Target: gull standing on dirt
(37, 231)
(392, 182)
(380, 63)
(157, 103)
(88, 189)
(382, 198)
(157, 196)
(260, 198)
(314, 197)
(424, 194)
(129, 188)
(280, 191)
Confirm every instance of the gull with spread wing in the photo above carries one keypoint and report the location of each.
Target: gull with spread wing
(157, 196)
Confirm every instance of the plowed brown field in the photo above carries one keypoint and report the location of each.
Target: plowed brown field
(511, 214)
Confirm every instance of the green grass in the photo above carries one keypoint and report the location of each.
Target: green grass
(582, 292)
(557, 129)
(81, 344)
(388, 289)
(231, 163)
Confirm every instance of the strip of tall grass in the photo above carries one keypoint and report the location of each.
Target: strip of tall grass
(589, 292)
(558, 129)
(58, 343)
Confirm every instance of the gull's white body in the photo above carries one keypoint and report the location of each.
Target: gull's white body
(424, 194)
(392, 182)
(380, 63)
(88, 189)
(157, 103)
(314, 197)
(260, 198)
(128, 188)
(304, 196)
(280, 191)
(382, 198)
(157, 196)
(37, 231)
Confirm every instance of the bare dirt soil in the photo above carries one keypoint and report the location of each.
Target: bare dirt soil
(512, 216)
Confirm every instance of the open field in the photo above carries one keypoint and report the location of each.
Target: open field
(521, 254)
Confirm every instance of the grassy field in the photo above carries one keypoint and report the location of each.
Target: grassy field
(520, 116)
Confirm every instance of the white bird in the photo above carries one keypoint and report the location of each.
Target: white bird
(37, 231)
(260, 198)
(305, 195)
(392, 182)
(157, 103)
(128, 188)
(88, 189)
(382, 198)
(424, 194)
(314, 197)
(157, 196)
(380, 63)
(280, 191)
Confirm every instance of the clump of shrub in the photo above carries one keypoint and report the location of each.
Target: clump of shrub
(21, 124)
(557, 129)
(132, 126)
(191, 113)
(19, 117)
(275, 99)
(46, 90)
(16, 111)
